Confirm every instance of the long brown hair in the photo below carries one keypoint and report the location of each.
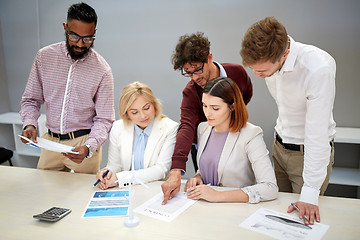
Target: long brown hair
(229, 92)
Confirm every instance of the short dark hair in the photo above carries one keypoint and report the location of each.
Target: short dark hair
(191, 48)
(229, 92)
(82, 12)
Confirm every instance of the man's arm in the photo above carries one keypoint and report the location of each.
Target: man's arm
(190, 118)
(103, 119)
(320, 100)
(31, 101)
(104, 109)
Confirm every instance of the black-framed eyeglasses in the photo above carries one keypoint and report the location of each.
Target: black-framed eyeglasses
(196, 72)
(73, 37)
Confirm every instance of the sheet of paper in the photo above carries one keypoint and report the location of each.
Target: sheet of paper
(49, 145)
(283, 226)
(168, 212)
(107, 203)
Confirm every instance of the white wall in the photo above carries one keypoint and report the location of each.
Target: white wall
(138, 37)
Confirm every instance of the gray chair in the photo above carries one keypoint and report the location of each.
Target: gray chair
(6, 155)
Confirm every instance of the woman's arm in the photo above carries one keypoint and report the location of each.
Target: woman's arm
(209, 194)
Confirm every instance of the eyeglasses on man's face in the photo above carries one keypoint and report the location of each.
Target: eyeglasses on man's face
(196, 72)
(73, 37)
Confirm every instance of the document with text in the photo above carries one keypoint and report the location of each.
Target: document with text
(49, 145)
(168, 212)
(107, 203)
(283, 226)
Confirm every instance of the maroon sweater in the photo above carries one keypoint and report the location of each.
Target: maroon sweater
(192, 112)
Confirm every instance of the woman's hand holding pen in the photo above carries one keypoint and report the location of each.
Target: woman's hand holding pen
(107, 181)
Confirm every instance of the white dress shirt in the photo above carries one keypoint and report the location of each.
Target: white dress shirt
(304, 91)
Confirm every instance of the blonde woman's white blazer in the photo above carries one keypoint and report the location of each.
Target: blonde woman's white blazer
(158, 151)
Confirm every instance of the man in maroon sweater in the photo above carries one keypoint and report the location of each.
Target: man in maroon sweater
(192, 56)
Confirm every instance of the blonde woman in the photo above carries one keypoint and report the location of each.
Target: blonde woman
(144, 133)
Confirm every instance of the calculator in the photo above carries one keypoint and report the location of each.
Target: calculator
(53, 214)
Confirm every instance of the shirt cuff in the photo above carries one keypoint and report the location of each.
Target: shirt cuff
(29, 122)
(93, 144)
(309, 195)
(254, 196)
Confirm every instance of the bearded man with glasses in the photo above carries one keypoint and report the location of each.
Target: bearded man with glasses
(193, 58)
(77, 85)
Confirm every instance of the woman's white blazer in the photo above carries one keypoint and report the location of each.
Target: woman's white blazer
(158, 151)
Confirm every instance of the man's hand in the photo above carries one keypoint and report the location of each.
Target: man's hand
(171, 186)
(78, 158)
(306, 209)
(29, 132)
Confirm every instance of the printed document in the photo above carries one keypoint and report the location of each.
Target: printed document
(168, 212)
(283, 226)
(107, 203)
(49, 145)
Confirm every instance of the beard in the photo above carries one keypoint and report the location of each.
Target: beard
(77, 55)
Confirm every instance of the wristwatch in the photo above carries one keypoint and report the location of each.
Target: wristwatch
(90, 151)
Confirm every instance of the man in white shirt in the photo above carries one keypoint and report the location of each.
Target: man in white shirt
(301, 79)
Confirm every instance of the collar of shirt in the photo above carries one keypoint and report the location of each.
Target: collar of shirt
(289, 63)
(222, 70)
(147, 130)
(66, 53)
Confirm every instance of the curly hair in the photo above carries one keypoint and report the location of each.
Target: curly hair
(265, 40)
(191, 48)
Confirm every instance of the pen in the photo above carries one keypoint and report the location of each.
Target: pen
(105, 173)
(292, 204)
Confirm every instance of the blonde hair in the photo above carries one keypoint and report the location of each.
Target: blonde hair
(129, 94)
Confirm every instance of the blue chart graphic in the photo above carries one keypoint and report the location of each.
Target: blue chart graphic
(100, 212)
(111, 194)
(108, 203)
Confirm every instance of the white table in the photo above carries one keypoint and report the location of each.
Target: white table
(25, 192)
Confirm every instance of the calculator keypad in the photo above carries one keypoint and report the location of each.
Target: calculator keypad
(53, 214)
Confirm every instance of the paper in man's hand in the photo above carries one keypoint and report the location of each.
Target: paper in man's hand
(49, 145)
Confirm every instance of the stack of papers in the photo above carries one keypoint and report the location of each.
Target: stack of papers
(49, 145)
